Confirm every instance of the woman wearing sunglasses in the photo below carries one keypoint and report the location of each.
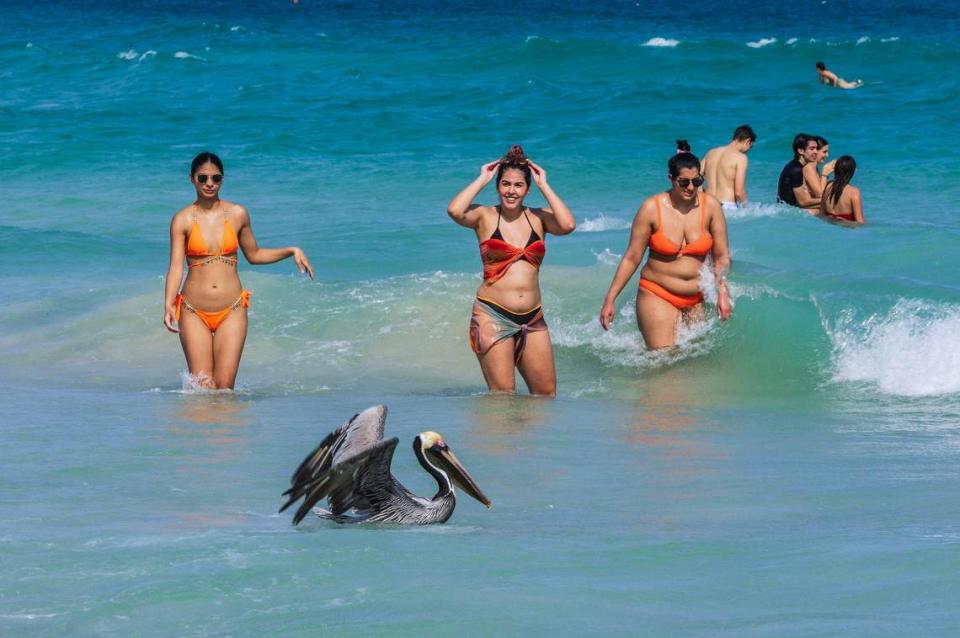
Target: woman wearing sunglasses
(210, 311)
(507, 329)
(680, 227)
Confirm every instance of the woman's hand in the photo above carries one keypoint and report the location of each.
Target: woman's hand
(169, 319)
(303, 264)
(828, 168)
(539, 175)
(724, 306)
(487, 171)
(606, 314)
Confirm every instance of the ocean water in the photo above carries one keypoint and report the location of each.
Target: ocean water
(790, 473)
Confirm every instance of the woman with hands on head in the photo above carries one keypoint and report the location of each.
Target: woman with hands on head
(507, 328)
(210, 311)
(680, 227)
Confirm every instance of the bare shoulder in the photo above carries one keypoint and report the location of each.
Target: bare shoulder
(181, 218)
(234, 211)
(648, 210)
(485, 216)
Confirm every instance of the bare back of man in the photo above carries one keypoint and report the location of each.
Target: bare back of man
(725, 168)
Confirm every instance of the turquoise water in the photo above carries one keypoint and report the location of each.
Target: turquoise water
(790, 473)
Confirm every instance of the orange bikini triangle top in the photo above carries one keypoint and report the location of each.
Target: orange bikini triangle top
(197, 245)
(660, 243)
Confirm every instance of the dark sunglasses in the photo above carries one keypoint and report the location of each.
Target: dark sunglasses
(684, 182)
(216, 179)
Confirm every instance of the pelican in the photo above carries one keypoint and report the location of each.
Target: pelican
(351, 469)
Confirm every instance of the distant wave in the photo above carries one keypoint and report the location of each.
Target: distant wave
(755, 211)
(761, 43)
(183, 55)
(792, 41)
(862, 40)
(602, 223)
(128, 55)
(913, 350)
(661, 42)
(892, 39)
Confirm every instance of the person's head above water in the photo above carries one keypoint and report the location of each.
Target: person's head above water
(744, 137)
(683, 169)
(513, 177)
(206, 174)
(843, 172)
(803, 145)
(823, 146)
(682, 159)
(206, 157)
(821, 66)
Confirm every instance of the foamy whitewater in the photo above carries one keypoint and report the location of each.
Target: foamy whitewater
(792, 472)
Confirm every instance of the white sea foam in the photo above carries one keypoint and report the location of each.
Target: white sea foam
(792, 41)
(183, 55)
(913, 350)
(862, 40)
(892, 39)
(607, 257)
(236, 28)
(602, 223)
(130, 54)
(29, 45)
(661, 42)
(756, 211)
(148, 54)
(762, 42)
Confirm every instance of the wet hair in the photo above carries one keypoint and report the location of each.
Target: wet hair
(744, 132)
(800, 143)
(843, 172)
(821, 141)
(821, 66)
(682, 159)
(202, 159)
(514, 159)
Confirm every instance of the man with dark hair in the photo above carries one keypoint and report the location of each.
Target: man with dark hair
(791, 188)
(725, 169)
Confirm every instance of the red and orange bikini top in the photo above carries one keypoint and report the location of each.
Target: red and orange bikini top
(660, 243)
(197, 245)
(498, 255)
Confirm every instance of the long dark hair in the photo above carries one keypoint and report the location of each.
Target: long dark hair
(202, 159)
(843, 172)
(682, 159)
(516, 159)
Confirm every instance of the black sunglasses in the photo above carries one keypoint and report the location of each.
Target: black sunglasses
(216, 179)
(684, 182)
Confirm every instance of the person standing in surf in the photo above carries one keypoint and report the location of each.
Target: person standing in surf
(680, 227)
(507, 328)
(210, 311)
(725, 169)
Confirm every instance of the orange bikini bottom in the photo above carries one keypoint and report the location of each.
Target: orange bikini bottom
(214, 319)
(680, 302)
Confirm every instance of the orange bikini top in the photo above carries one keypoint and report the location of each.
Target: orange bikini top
(197, 245)
(660, 243)
(497, 254)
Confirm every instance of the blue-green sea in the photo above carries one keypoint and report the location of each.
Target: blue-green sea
(792, 472)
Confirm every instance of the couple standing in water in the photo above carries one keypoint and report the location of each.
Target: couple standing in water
(507, 328)
(507, 331)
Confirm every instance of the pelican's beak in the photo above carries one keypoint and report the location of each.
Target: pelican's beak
(449, 462)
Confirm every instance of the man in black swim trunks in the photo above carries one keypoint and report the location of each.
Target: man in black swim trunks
(791, 189)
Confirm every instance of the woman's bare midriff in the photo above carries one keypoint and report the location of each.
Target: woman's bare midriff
(679, 275)
(518, 290)
(212, 286)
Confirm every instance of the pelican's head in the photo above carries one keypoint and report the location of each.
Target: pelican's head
(434, 448)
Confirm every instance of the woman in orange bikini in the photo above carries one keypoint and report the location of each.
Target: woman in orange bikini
(210, 312)
(507, 328)
(680, 227)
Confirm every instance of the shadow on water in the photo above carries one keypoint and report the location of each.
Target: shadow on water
(503, 423)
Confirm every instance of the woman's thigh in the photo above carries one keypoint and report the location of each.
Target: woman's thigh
(657, 319)
(536, 365)
(498, 367)
(197, 342)
(228, 347)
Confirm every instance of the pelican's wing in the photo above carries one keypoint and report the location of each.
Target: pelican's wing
(362, 431)
(354, 483)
